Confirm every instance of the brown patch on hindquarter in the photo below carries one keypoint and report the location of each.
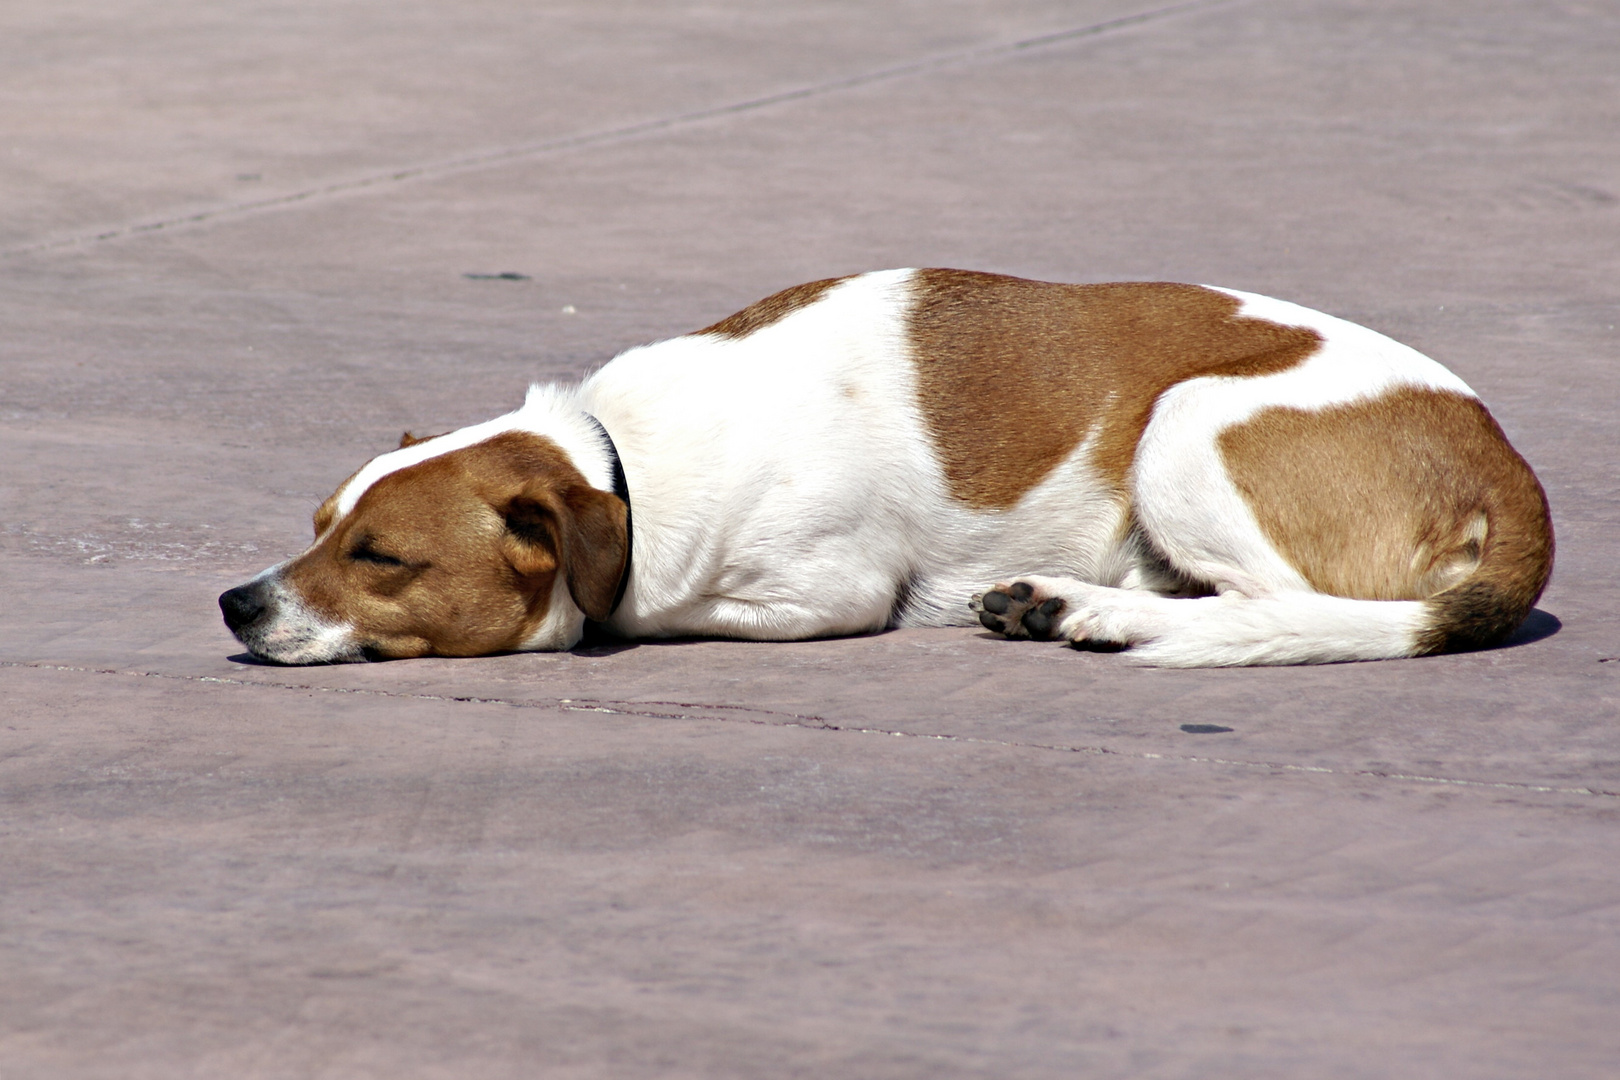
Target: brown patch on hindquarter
(1411, 495)
(772, 309)
(457, 555)
(1013, 374)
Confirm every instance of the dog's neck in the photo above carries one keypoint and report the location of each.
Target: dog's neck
(621, 488)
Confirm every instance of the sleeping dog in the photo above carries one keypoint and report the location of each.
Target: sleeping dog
(1202, 476)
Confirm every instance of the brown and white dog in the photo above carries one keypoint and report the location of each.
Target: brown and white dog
(1205, 476)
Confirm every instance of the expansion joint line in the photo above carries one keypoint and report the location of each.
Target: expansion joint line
(490, 158)
(749, 714)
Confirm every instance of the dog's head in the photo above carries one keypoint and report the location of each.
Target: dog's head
(487, 546)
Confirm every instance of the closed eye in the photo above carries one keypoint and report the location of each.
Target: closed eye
(366, 553)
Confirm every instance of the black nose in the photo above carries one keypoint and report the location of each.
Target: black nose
(241, 606)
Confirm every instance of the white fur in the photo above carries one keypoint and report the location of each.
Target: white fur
(773, 479)
(1232, 628)
(563, 625)
(784, 485)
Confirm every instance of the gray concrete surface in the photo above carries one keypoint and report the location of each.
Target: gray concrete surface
(233, 241)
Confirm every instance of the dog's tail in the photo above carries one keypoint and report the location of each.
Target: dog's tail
(1515, 560)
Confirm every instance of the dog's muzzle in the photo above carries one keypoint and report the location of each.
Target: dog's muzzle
(275, 625)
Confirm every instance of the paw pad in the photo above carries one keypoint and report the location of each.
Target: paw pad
(1018, 610)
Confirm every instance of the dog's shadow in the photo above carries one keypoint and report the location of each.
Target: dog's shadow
(1537, 626)
(247, 659)
(601, 650)
(599, 645)
(590, 650)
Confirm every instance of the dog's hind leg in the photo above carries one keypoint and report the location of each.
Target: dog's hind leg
(1231, 628)
(1396, 525)
(1221, 597)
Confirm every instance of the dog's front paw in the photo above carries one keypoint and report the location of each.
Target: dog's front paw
(1019, 610)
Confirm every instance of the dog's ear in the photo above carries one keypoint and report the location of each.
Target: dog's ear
(581, 527)
(408, 439)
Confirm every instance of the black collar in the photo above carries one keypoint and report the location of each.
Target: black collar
(621, 488)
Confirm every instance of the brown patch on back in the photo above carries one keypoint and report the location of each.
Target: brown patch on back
(1012, 374)
(772, 309)
(1410, 496)
(457, 555)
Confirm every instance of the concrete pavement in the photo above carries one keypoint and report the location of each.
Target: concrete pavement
(234, 248)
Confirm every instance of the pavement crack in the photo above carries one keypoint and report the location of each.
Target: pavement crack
(750, 714)
(621, 133)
